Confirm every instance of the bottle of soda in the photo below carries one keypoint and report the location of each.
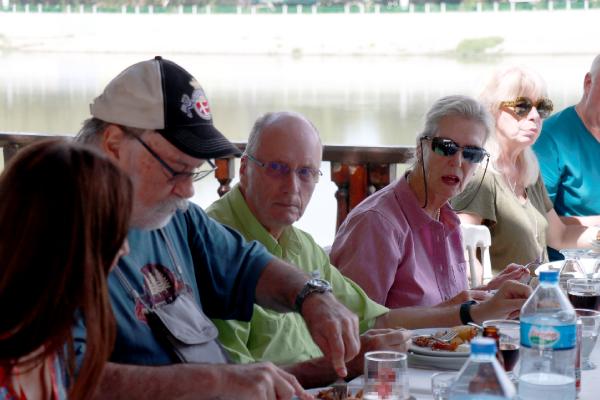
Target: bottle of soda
(548, 340)
(482, 377)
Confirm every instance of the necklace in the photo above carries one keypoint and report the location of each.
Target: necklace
(436, 215)
(536, 231)
(513, 186)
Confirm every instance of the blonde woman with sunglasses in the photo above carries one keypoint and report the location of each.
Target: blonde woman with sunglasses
(512, 200)
(403, 244)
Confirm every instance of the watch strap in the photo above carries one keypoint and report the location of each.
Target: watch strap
(465, 312)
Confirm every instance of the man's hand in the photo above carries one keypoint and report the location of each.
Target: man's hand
(506, 303)
(258, 381)
(334, 329)
(198, 382)
(379, 339)
(514, 272)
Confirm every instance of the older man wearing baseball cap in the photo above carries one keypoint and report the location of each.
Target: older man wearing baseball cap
(154, 121)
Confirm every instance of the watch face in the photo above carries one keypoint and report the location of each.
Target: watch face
(319, 283)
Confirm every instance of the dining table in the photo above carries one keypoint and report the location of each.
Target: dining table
(420, 380)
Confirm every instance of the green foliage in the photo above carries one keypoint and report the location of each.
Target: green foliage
(478, 46)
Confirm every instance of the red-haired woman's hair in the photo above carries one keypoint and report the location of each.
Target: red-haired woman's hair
(64, 215)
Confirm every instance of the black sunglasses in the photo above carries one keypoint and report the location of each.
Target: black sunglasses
(448, 147)
(522, 106)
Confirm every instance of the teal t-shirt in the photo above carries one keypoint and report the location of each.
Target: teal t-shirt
(272, 336)
(569, 158)
(213, 258)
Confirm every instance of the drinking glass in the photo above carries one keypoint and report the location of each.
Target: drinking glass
(571, 268)
(510, 342)
(571, 264)
(441, 383)
(386, 376)
(584, 293)
(590, 320)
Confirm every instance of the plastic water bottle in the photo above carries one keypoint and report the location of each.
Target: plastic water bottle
(482, 377)
(548, 343)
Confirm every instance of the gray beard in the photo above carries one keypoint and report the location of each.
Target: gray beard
(159, 216)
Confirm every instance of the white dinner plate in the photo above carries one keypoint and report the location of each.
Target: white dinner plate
(434, 353)
(435, 362)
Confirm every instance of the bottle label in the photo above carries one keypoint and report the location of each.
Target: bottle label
(562, 337)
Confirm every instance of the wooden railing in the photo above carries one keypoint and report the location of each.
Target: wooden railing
(356, 170)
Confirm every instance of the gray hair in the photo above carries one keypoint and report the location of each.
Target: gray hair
(455, 105)
(267, 120)
(507, 84)
(92, 129)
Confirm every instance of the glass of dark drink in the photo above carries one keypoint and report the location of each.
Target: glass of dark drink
(510, 335)
(584, 293)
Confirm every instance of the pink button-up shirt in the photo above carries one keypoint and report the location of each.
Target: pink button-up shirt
(397, 253)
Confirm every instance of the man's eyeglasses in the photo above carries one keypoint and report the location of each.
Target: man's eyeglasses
(279, 170)
(448, 147)
(522, 106)
(177, 176)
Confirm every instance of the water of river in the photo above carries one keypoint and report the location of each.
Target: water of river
(352, 100)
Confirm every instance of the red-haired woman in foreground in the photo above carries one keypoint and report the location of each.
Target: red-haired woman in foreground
(64, 216)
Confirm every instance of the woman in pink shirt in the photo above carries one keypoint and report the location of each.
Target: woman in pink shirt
(402, 245)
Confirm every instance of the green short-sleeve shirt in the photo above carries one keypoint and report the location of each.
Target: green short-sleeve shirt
(272, 336)
(518, 229)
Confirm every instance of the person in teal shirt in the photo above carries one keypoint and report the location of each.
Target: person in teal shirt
(568, 151)
(278, 174)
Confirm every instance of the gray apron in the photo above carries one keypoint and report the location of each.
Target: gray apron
(180, 326)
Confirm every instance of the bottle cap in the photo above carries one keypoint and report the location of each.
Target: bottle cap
(549, 276)
(483, 345)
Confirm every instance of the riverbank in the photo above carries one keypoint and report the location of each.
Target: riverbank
(458, 33)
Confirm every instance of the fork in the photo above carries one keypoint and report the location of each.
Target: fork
(531, 266)
(446, 337)
(340, 389)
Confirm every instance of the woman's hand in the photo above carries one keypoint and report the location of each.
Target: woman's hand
(513, 272)
(506, 303)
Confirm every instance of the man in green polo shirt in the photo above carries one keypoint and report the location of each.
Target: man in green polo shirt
(278, 174)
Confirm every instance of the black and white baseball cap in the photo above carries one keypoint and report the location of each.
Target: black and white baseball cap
(160, 95)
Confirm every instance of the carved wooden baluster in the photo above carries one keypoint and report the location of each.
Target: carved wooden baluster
(358, 185)
(380, 175)
(340, 175)
(225, 173)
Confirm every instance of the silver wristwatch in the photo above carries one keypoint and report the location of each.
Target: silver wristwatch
(310, 287)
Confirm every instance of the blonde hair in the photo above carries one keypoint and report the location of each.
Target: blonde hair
(507, 84)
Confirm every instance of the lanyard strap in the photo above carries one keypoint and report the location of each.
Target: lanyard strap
(130, 289)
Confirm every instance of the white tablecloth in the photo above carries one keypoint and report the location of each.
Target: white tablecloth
(420, 381)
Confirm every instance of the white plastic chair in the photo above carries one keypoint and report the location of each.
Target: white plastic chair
(477, 236)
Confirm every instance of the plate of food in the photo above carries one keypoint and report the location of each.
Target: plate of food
(354, 393)
(424, 341)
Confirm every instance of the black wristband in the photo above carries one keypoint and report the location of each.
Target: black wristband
(465, 312)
